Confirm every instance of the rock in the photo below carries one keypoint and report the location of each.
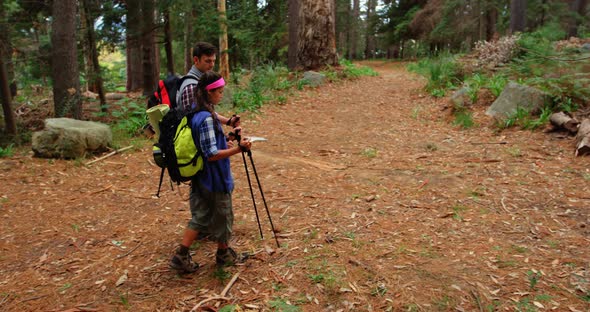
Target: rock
(314, 79)
(586, 47)
(460, 99)
(114, 96)
(515, 96)
(70, 138)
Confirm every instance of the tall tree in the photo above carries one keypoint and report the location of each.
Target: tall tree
(64, 60)
(316, 34)
(150, 64)
(354, 29)
(517, 15)
(168, 40)
(578, 10)
(133, 45)
(370, 30)
(293, 12)
(94, 74)
(223, 45)
(5, 96)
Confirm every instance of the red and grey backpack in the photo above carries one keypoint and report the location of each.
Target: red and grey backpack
(168, 91)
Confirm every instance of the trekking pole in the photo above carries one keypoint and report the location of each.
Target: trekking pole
(262, 194)
(252, 193)
(237, 135)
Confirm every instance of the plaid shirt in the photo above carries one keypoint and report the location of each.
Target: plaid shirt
(207, 138)
(188, 97)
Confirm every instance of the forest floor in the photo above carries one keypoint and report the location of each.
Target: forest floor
(380, 204)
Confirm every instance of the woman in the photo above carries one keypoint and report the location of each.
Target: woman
(210, 197)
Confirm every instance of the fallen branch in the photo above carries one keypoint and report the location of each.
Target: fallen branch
(229, 285)
(583, 138)
(127, 253)
(562, 121)
(109, 155)
(207, 300)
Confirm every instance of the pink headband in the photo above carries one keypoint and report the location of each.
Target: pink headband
(217, 84)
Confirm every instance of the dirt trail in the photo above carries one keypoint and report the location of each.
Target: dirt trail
(380, 202)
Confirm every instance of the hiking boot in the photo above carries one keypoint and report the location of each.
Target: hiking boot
(183, 263)
(229, 257)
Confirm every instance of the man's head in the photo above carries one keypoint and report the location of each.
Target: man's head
(204, 56)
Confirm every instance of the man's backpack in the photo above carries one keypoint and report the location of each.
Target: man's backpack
(175, 150)
(167, 90)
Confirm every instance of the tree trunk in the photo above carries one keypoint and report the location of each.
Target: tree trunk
(491, 20)
(188, 58)
(133, 39)
(370, 33)
(168, 42)
(563, 121)
(64, 60)
(316, 34)
(9, 122)
(354, 31)
(223, 45)
(578, 9)
(583, 138)
(293, 12)
(517, 15)
(149, 59)
(94, 74)
(6, 52)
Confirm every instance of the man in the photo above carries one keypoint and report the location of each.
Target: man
(188, 99)
(204, 56)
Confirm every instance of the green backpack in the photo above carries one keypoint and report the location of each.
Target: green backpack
(175, 150)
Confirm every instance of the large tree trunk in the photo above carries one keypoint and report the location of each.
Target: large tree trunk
(188, 57)
(149, 58)
(354, 31)
(293, 12)
(491, 14)
(94, 74)
(64, 60)
(578, 9)
(168, 42)
(6, 52)
(9, 122)
(370, 31)
(316, 34)
(133, 39)
(223, 45)
(517, 15)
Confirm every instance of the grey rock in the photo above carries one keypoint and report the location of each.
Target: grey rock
(313, 78)
(516, 96)
(70, 138)
(586, 47)
(460, 98)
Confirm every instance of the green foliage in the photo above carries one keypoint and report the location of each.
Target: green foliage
(221, 274)
(525, 121)
(442, 72)
(114, 72)
(464, 119)
(266, 83)
(496, 84)
(353, 71)
(280, 305)
(228, 308)
(6, 151)
(130, 117)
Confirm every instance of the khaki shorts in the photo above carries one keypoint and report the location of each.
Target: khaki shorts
(211, 213)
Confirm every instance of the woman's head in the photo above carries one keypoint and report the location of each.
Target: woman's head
(210, 89)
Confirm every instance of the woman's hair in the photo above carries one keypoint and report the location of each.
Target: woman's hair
(202, 97)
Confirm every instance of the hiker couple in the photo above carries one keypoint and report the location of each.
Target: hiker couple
(210, 196)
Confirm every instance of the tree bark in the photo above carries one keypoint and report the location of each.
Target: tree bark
(563, 121)
(188, 58)
(316, 34)
(6, 52)
(64, 60)
(9, 121)
(95, 76)
(149, 58)
(491, 21)
(223, 45)
(583, 138)
(133, 39)
(370, 33)
(578, 9)
(517, 15)
(293, 12)
(354, 31)
(168, 42)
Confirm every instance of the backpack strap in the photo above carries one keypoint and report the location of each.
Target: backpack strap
(185, 81)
